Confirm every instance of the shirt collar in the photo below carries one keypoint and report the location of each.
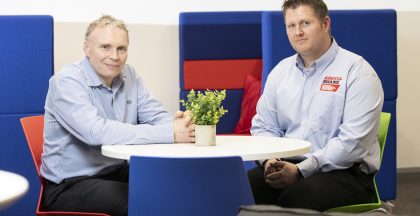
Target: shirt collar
(328, 57)
(321, 63)
(93, 79)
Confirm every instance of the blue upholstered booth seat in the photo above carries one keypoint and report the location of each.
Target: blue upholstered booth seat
(219, 36)
(369, 33)
(26, 64)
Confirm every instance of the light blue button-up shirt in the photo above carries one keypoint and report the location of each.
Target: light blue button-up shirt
(335, 104)
(81, 114)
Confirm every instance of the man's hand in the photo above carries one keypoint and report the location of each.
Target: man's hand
(184, 128)
(268, 169)
(285, 174)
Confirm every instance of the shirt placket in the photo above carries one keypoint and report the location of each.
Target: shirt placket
(116, 107)
(308, 92)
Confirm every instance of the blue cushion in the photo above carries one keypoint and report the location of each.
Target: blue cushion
(220, 35)
(27, 62)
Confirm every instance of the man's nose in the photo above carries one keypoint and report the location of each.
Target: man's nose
(298, 31)
(114, 54)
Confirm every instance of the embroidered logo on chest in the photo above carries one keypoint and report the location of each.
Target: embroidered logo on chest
(330, 83)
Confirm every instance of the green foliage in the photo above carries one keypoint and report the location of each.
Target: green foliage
(206, 108)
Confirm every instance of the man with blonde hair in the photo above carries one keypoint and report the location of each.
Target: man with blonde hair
(100, 101)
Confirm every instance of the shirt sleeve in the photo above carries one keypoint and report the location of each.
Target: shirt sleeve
(73, 109)
(265, 123)
(358, 131)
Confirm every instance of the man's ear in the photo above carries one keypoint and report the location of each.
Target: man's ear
(86, 47)
(327, 23)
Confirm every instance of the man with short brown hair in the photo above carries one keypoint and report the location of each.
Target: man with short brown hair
(330, 97)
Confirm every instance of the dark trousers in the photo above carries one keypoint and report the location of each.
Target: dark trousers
(321, 191)
(103, 193)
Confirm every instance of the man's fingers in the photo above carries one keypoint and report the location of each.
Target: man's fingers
(273, 176)
(179, 114)
(278, 164)
(187, 120)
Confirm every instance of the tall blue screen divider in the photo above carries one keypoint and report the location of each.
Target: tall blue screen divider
(26, 65)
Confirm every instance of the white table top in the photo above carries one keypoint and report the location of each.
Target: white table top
(248, 147)
(12, 187)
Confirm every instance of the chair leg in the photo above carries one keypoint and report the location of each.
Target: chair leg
(383, 210)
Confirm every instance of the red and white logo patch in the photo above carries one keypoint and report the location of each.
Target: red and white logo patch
(331, 84)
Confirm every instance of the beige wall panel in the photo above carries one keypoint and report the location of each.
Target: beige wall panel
(408, 102)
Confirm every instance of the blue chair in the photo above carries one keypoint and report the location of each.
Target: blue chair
(187, 186)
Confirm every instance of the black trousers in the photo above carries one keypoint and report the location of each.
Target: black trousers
(103, 193)
(321, 191)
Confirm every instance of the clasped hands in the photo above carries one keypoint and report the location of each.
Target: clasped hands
(184, 128)
(280, 174)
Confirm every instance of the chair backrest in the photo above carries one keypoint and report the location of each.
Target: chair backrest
(33, 127)
(187, 186)
(383, 130)
(382, 134)
(380, 52)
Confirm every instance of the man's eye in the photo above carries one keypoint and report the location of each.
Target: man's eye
(106, 47)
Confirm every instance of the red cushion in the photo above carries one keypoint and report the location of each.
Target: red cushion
(252, 91)
(219, 74)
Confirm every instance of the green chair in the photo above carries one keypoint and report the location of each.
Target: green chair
(382, 132)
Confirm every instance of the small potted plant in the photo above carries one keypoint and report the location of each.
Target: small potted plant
(206, 110)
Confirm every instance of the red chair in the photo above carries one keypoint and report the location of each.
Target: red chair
(33, 127)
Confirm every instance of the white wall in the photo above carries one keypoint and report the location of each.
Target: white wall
(166, 11)
(154, 49)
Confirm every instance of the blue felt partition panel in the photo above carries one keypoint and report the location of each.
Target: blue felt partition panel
(220, 36)
(232, 103)
(26, 62)
(26, 65)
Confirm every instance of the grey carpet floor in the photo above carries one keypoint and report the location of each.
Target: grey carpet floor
(408, 194)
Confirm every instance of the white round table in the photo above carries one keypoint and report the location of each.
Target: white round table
(12, 187)
(247, 147)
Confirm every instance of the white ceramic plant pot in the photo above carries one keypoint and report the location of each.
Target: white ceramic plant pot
(205, 135)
